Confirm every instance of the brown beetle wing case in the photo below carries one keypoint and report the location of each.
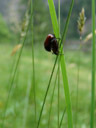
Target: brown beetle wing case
(54, 47)
(47, 44)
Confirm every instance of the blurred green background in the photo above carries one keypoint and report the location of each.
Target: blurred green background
(12, 16)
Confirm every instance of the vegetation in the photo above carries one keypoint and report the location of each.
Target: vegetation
(15, 110)
(40, 89)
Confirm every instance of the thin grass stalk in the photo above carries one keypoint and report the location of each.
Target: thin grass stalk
(63, 67)
(78, 77)
(26, 104)
(17, 77)
(81, 22)
(55, 28)
(13, 77)
(17, 74)
(77, 89)
(67, 23)
(11, 70)
(62, 118)
(58, 62)
(58, 91)
(33, 65)
(64, 74)
(76, 117)
(52, 99)
(47, 92)
(59, 15)
(93, 67)
(13, 64)
(67, 94)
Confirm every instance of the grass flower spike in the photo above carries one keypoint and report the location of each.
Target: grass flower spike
(81, 20)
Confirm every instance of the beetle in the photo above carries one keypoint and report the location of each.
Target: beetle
(51, 44)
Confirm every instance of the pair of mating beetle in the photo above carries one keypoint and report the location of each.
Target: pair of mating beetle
(51, 44)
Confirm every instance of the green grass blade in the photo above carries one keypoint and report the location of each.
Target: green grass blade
(47, 92)
(59, 15)
(77, 89)
(62, 118)
(78, 81)
(67, 22)
(58, 63)
(26, 104)
(67, 94)
(53, 18)
(14, 74)
(52, 100)
(93, 67)
(58, 91)
(63, 66)
(33, 65)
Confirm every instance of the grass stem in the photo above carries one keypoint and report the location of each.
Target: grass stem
(93, 67)
(33, 65)
(63, 65)
(14, 74)
(47, 91)
(52, 100)
(26, 104)
(58, 62)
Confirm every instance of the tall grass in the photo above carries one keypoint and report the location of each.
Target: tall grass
(63, 67)
(52, 99)
(14, 73)
(46, 92)
(93, 67)
(33, 65)
(77, 89)
(62, 118)
(26, 104)
(62, 63)
(58, 91)
(58, 62)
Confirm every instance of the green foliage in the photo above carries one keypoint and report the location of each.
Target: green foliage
(16, 107)
(5, 35)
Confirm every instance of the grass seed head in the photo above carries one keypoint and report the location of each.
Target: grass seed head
(88, 37)
(81, 21)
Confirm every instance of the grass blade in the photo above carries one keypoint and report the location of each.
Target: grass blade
(67, 23)
(47, 92)
(33, 65)
(26, 104)
(58, 90)
(52, 100)
(67, 94)
(93, 66)
(62, 118)
(77, 89)
(63, 66)
(58, 61)
(14, 74)
(53, 18)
